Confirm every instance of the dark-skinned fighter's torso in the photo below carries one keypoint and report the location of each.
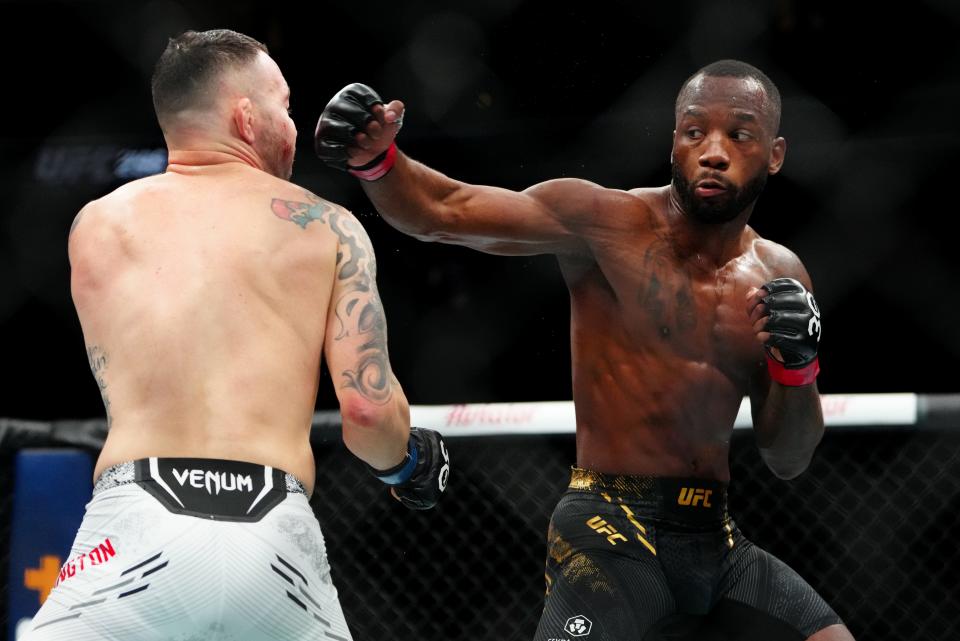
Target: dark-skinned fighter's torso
(669, 319)
(661, 280)
(662, 346)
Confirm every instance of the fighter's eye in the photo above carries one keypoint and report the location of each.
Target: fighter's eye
(694, 134)
(741, 135)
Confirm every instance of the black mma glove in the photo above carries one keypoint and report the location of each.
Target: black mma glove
(794, 324)
(420, 479)
(347, 114)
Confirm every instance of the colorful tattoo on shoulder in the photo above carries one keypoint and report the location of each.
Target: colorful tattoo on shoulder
(302, 213)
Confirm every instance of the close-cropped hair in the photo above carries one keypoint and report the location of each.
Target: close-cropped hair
(738, 69)
(186, 70)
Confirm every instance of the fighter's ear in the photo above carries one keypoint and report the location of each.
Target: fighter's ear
(777, 153)
(243, 118)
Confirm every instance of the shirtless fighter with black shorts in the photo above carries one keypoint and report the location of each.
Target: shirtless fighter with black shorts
(679, 309)
(207, 297)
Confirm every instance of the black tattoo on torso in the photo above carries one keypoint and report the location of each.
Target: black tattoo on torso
(665, 291)
(98, 363)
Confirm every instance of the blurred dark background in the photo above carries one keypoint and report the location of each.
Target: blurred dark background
(512, 92)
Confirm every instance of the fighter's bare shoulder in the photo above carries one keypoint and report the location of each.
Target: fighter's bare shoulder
(86, 209)
(650, 201)
(100, 207)
(301, 206)
(91, 235)
(586, 204)
(778, 260)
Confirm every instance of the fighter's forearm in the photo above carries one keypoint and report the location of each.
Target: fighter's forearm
(788, 428)
(414, 198)
(377, 433)
(381, 446)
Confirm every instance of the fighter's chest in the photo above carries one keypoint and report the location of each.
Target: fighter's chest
(685, 303)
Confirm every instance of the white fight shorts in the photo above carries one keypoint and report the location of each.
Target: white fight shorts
(194, 549)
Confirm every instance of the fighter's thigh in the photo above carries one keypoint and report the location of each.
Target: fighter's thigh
(139, 572)
(295, 594)
(838, 632)
(608, 596)
(763, 598)
(104, 567)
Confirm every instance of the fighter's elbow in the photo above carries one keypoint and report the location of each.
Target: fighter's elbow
(375, 433)
(424, 227)
(786, 468)
(359, 412)
(788, 473)
(437, 225)
(428, 235)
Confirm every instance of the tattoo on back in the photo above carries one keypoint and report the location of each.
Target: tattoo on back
(98, 363)
(302, 213)
(358, 309)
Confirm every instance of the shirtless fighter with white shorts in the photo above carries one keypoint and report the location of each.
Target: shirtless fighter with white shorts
(208, 296)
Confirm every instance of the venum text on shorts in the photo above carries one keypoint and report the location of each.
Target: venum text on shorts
(214, 481)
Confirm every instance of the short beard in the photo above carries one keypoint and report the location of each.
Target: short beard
(720, 209)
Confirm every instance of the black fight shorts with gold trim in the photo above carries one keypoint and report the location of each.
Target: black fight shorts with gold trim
(637, 558)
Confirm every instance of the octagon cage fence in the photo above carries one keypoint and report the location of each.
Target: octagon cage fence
(871, 525)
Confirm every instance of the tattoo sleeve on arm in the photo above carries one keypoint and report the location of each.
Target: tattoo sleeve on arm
(98, 363)
(358, 310)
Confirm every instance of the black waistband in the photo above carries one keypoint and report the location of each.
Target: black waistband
(687, 500)
(208, 488)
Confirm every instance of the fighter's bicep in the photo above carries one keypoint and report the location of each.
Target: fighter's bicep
(541, 219)
(356, 336)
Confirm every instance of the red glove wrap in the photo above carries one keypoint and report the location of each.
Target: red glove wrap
(792, 377)
(378, 167)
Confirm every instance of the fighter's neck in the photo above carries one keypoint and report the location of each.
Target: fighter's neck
(192, 158)
(714, 244)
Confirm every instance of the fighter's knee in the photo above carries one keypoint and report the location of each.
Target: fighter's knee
(838, 632)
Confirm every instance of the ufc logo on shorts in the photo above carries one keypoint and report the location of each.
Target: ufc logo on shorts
(694, 497)
(600, 526)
